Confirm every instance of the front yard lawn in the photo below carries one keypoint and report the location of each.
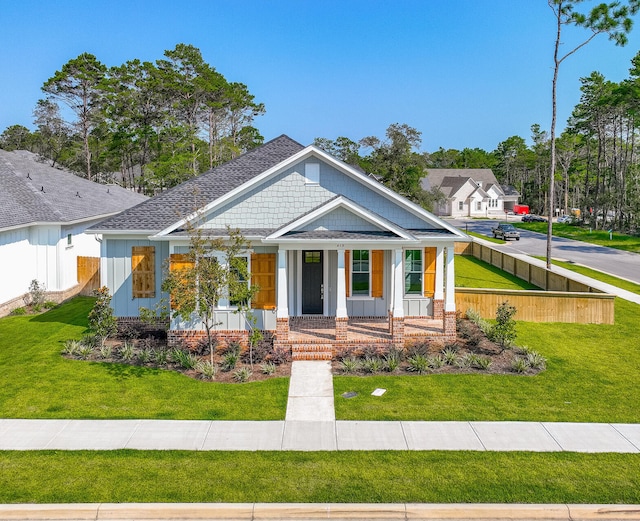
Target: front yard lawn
(318, 477)
(37, 382)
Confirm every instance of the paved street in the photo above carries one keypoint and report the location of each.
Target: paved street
(616, 262)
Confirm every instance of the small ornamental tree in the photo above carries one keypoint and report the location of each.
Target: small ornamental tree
(215, 270)
(504, 330)
(37, 292)
(102, 322)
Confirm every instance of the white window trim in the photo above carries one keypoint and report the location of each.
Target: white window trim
(413, 296)
(223, 304)
(359, 297)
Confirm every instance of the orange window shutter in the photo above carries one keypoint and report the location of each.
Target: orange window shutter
(347, 271)
(429, 272)
(377, 273)
(263, 275)
(143, 272)
(179, 262)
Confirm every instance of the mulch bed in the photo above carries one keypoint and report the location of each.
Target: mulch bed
(470, 341)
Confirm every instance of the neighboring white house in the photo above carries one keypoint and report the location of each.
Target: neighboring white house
(470, 192)
(327, 242)
(43, 214)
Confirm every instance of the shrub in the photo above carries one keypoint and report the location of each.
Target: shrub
(126, 351)
(184, 359)
(372, 364)
(520, 365)
(230, 360)
(37, 292)
(161, 357)
(19, 311)
(71, 347)
(450, 355)
(268, 368)
(50, 304)
(102, 322)
(146, 355)
(89, 340)
(436, 362)
(207, 370)
(419, 348)
(504, 331)
(536, 360)
(84, 351)
(392, 359)
(418, 363)
(106, 351)
(350, 364)
(482, 362)
(242, 374)
(483, 324)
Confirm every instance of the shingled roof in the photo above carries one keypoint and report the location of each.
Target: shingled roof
(32, 192)
(165, 209)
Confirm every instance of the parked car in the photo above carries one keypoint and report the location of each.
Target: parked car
(530, 218)
(567, 219)
(505, 232)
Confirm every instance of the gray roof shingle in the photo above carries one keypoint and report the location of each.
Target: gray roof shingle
(176, 203)
(34, 192)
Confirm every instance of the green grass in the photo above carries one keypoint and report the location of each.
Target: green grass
(475, 273)
(620, 241)
(485, 237)
(37, 382)
(598, 275)
(337, 477)
(591, 375)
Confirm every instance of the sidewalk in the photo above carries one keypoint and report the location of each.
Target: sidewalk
(316, 435)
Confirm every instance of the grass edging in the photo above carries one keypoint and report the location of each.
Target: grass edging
(317, 477)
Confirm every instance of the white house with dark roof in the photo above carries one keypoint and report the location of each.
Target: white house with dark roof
(44, 212)
(470, 192)
(329, 245)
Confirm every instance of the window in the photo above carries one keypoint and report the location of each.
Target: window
(493, 203)
(360, 271)
(413, 272)
(478, 205)
(240, 280)
(69, 239)
(460, 205)
(312, 257)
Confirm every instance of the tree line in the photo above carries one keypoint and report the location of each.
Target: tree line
(150, 126)
(144, 125)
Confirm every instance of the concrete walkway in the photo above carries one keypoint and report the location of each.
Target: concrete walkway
(310, 392)
(316, 435)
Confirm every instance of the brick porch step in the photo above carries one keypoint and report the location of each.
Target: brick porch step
(311, 351)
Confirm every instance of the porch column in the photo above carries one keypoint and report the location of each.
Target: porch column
(438, 297)
(398, 285)
(341, 305)
(282, 310)
(342, 318)
(396, 325)
(450, 298)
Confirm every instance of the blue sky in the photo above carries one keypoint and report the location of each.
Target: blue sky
(466, 73)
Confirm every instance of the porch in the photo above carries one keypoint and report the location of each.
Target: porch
(320, 337)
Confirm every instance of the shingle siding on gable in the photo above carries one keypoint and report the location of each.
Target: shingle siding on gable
(287, 196)
(341, 219)
(272, 204)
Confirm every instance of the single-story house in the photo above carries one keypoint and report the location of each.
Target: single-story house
(470, 192)
(44, 212)
(329, 245)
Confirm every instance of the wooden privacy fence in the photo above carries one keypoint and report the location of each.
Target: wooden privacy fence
(540, 306)
(88, 274)
(562, 299)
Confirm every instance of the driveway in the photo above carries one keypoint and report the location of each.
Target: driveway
(620, 263)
